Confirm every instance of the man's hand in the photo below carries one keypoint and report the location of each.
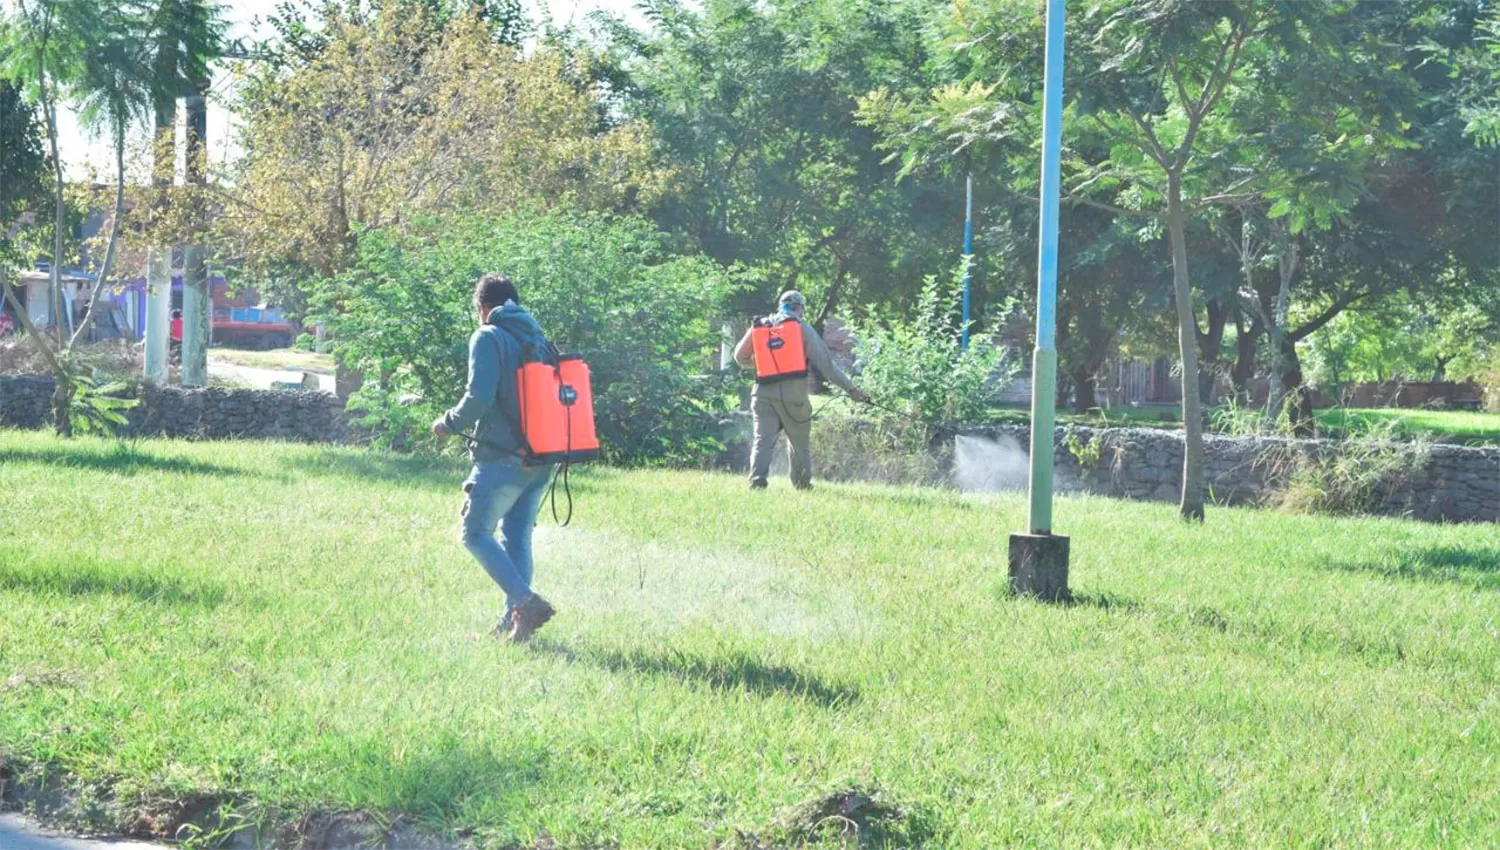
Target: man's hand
(859, 396)
(440, 430)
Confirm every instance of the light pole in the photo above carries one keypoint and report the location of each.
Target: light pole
(968, 254)
(1039, 558)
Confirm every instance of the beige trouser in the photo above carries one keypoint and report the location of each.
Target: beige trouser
(772, 416)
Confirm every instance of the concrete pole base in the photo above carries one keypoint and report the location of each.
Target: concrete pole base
(1039, 566)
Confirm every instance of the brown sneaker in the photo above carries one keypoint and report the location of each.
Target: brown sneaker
(530, 616)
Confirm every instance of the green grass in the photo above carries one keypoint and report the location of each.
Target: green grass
(288, 628)
(280, 358)
(1445, 425)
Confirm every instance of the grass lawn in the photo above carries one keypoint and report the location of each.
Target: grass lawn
(1446, 425)
(279, 358)
(288, 629)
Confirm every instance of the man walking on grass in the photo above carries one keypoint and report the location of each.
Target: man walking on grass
(501, 488)
(780, 400)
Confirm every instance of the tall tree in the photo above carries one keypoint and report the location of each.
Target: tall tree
(23, 170)
(1155, 88)
(113, 91)
(395, 115)
(755, 105)
(44, 48)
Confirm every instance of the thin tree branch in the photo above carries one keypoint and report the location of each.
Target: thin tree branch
(1317, 322)
(31, 331)
(1099, 205)
(1212, 91)
(1157, 152)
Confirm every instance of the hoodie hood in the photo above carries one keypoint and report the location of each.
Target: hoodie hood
(518, 322)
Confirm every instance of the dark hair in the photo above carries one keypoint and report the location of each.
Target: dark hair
(176, 314)
(494, 290)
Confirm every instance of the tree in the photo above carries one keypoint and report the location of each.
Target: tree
(394, 114)
(1147, 86)
(45, 41)
(112, 92)
(1178, 108)
(23, 170)
(87, 53)
(754, 105)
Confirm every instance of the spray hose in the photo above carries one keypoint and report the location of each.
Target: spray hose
(558, 471)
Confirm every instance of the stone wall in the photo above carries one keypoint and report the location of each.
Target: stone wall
(1455, 484)
(211, 413)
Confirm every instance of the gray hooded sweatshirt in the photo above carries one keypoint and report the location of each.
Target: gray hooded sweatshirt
(490, 404)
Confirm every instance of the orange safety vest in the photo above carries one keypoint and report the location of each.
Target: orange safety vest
(779, 352)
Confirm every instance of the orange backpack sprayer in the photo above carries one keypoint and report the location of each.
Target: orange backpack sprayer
(556, 421)
(557, 416)
(779, 353)
(557, 410)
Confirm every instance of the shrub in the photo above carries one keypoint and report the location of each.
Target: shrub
(604, 288)
(919, 364)
(1350, 476)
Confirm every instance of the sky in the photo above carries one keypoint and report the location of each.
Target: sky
(83, 154)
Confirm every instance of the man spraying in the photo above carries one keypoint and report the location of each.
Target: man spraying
(501, 488)
(780, 348)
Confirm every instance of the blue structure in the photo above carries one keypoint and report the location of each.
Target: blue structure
(968, 254)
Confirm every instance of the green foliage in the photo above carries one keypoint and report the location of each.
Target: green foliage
(1088, 454)
(1405, 340)
(754, 105)
(23, 170)
(920, 365)
(604, 288)
(97, 409)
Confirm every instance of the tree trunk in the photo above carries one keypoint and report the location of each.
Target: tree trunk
(159, 257)
(1440, 374)
(197, 305)
(60, 219)
(1286, 263)
(62, 404)
(1211, 344)
(1191, 507)
(1295, 398)
(114, 238)
(1245, 344)
(1084, 397)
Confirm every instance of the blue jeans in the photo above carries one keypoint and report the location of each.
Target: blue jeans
(508, 493)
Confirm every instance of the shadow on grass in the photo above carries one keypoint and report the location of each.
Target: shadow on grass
(731, 673)
(1476, 566)
(1102, 602)
(904, 497)
(120, 461)
(411, 470)
(78, 577)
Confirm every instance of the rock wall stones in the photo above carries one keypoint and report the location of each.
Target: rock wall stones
(211, 413)
(1453, 483)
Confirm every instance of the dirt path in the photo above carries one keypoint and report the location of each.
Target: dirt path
(262, 379)
(18, 833)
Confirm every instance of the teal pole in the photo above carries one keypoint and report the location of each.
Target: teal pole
(968, 253)
(1044, 363)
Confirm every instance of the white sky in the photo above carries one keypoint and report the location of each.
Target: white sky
(83, 154)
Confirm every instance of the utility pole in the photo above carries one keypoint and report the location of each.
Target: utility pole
(197, 303)
(968, 253)
(1039, 559)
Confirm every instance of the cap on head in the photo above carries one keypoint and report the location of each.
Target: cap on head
(793, 298)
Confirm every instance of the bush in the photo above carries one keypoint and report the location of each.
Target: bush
(1350, 476)
(919, 363)
(604, 288)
